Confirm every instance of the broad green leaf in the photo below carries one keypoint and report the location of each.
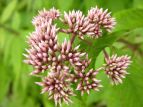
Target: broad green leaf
(130, 93)
(129, 19)
(122, 5)
(50, 3)
(37, 4)
(16, 59)
(26, 18)
(18, 100)
(76, 103)
(100, 58)
(6, 15)
(96, 98)
(7, 48)
(138, 3)
(2, 38)
(4, 80)
(125, 21)
(89, 4)
(64, 5)
(47, 102)
(96, 45)
(108, 4)
(62, 37)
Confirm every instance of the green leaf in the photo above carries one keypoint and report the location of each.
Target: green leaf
(64, 5)
(6, 15)
(49, 3)
(129, 19)
(37, 4)
(7, 48)
(16, 20)
(4, 80)
(16, 55)
(100, 58)
(2, 38)
(122, 5)
(46, 102)
(76, 103)
(126, 20)
(88, 4)
(97, 45)
(128, 94)
(138, 3)
(62, 37)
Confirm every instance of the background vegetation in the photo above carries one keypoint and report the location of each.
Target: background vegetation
(17, 88)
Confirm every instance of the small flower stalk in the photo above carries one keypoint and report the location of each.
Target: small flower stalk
(64, 64)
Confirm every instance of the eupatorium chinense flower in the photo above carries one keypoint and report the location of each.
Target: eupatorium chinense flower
(44, 16)
(91, 24)
(67, 68)
(115, 67)
(57, 86)
(77, 23)
(101, 18)
(87, 81)
(41, 43)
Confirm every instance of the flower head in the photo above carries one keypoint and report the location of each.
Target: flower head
(42, 47)
(87, 81)
(37, 57)
(46, 33)
(77, 23)
(116, 67)
(57, 87)
(100, 18)
(44, 16)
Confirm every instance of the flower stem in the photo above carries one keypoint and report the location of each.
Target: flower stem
(63, 31)
(72, 38)
(106, 55)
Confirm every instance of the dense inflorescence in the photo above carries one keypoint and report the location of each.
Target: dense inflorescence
(116, 67)
(62, 65)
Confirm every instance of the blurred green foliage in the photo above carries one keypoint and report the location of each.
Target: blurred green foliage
(17, 88)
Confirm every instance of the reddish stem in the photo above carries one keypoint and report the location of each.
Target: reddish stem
(106, 55)
(72, 38)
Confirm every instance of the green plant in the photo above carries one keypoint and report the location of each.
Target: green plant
(64, 66)
(16, 86)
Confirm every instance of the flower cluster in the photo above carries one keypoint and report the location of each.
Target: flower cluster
(87, 81)
(101, 18)
(57, 87)
(116, 67)
(91, 24)
(64, 64)
(44, 16)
